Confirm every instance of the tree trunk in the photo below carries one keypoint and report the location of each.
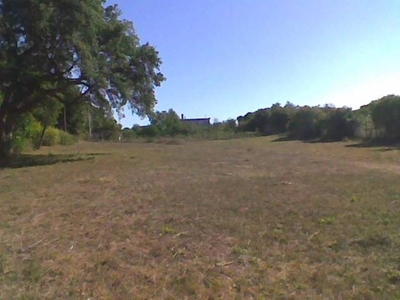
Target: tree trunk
(41, 138)
(6, 137)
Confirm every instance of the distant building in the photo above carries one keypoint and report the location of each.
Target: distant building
(196, 121)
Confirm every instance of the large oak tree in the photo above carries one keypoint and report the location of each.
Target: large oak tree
(49, 46)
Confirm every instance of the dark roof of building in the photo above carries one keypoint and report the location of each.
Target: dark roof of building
(197, 119)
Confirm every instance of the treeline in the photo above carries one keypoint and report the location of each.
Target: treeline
(65, 124)
(168, 124)
(302, 123)
(378, 120)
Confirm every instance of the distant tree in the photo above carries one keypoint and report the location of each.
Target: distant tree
(278, 118)
(338, 123)
(75, 114)
(229, 125)
(385, 114)
(148, 132)
(103, 124)
(256, 122)
(167, 122)
(240, 120)
(290, 107)
(305, 123)
(48, 46)
(128, 133)
(136, 129)
(381, 117)
(76, 118)
(365, 126)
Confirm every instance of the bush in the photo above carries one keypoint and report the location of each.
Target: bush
(67, 139)
(27, 134)
(149, 132)
(21, 143)
(52, 137)
(129, 134)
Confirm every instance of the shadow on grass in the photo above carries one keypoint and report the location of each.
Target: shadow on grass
(283, 138)
(30, 160)
(308, 141)
(97, 153)
(384, 145)
(388, 146)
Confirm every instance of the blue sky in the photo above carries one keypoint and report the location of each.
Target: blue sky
(224, 58)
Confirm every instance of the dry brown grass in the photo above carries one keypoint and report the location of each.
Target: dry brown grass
(239, 219)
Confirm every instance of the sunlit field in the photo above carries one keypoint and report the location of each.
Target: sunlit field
(173, 219)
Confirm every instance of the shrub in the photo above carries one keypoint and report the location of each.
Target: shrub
(27, 134)
(149, 132)
(51, 137)
(21, 143)
(67, 139)
(129, 134)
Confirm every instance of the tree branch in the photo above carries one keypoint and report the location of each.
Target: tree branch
(71, 68)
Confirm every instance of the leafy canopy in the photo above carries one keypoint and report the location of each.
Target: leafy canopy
(47, 46)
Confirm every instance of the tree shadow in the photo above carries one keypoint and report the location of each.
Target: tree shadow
(389, 149)
(283, 138)
(321, 141)
(308, 141)
(97, 153)
(34, 160)
(384, 145)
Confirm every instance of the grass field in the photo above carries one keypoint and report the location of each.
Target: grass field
(236, 219)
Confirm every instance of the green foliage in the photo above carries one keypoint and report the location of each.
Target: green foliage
(305, 123)
(327, 221)
(168, 230)
(76, 114)
(72, 51)
(148, 131)
(47, 112)
(30, 131)
(366, 128)
(381, 118)
(20, 144)
(52, 136)
(129, 134)
(302, 123)
(385, 114)
(67, 139)
(255, 122)
(279, 118)
(27, 134)
(167, 123)
(229, 125)
(338, 123)
(266, 121)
